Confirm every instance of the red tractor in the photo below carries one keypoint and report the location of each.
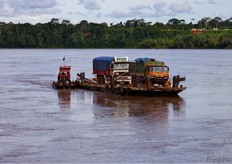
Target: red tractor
(64, 74)
(64, 80)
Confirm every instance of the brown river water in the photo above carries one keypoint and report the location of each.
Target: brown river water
(39, 124)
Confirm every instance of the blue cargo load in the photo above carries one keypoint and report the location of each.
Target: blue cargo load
(142, 60)
(102, 63)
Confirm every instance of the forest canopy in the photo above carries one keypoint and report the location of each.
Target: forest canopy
(137, 33)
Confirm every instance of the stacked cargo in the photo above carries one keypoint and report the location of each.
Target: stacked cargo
(102, 65)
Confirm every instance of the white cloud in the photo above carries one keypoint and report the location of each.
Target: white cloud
(159, 5)
(6, 10)
(177, 8)
(211, 2)
(119, 14)
(90, 4)
(111, 10)
(140, 7)
(159, 9)
(29, 4)
(15, 8)
(98, 15)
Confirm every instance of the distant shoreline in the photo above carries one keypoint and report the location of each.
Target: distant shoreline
(206, 34)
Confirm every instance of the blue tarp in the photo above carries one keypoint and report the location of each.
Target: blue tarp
(142, 60)
(102, 63)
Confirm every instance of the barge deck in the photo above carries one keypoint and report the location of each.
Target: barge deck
(85, 83)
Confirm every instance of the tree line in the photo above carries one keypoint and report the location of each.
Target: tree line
(135, 33)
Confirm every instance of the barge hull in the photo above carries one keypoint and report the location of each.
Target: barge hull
(130, 90)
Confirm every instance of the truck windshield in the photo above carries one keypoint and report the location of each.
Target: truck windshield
(121, 66)
(158, 69)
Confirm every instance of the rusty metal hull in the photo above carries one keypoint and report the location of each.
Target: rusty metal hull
(154, 91)
(64, 84)
(130, 90)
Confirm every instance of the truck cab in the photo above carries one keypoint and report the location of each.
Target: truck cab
(120, 69)
(157, 71)
(150, 70)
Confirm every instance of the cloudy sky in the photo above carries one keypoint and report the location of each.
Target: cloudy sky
(112, 11)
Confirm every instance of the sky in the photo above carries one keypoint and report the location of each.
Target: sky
(112, 11)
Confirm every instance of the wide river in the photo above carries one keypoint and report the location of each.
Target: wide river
(39, 124)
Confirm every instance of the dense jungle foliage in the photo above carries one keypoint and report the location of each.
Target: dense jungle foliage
(136, 33)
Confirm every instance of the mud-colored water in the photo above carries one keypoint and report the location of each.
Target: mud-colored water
(41, 125)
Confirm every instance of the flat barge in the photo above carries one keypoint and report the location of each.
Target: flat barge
(144, 76)
(130, 89)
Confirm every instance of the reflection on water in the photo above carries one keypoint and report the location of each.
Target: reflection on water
(111, 105)
(64, 97)
(136, 106)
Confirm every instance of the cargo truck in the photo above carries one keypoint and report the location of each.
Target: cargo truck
(111, 70)
(143, 76)
(148, 70)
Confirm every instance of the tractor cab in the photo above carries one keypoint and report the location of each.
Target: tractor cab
(64, 78)
(64, 74)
